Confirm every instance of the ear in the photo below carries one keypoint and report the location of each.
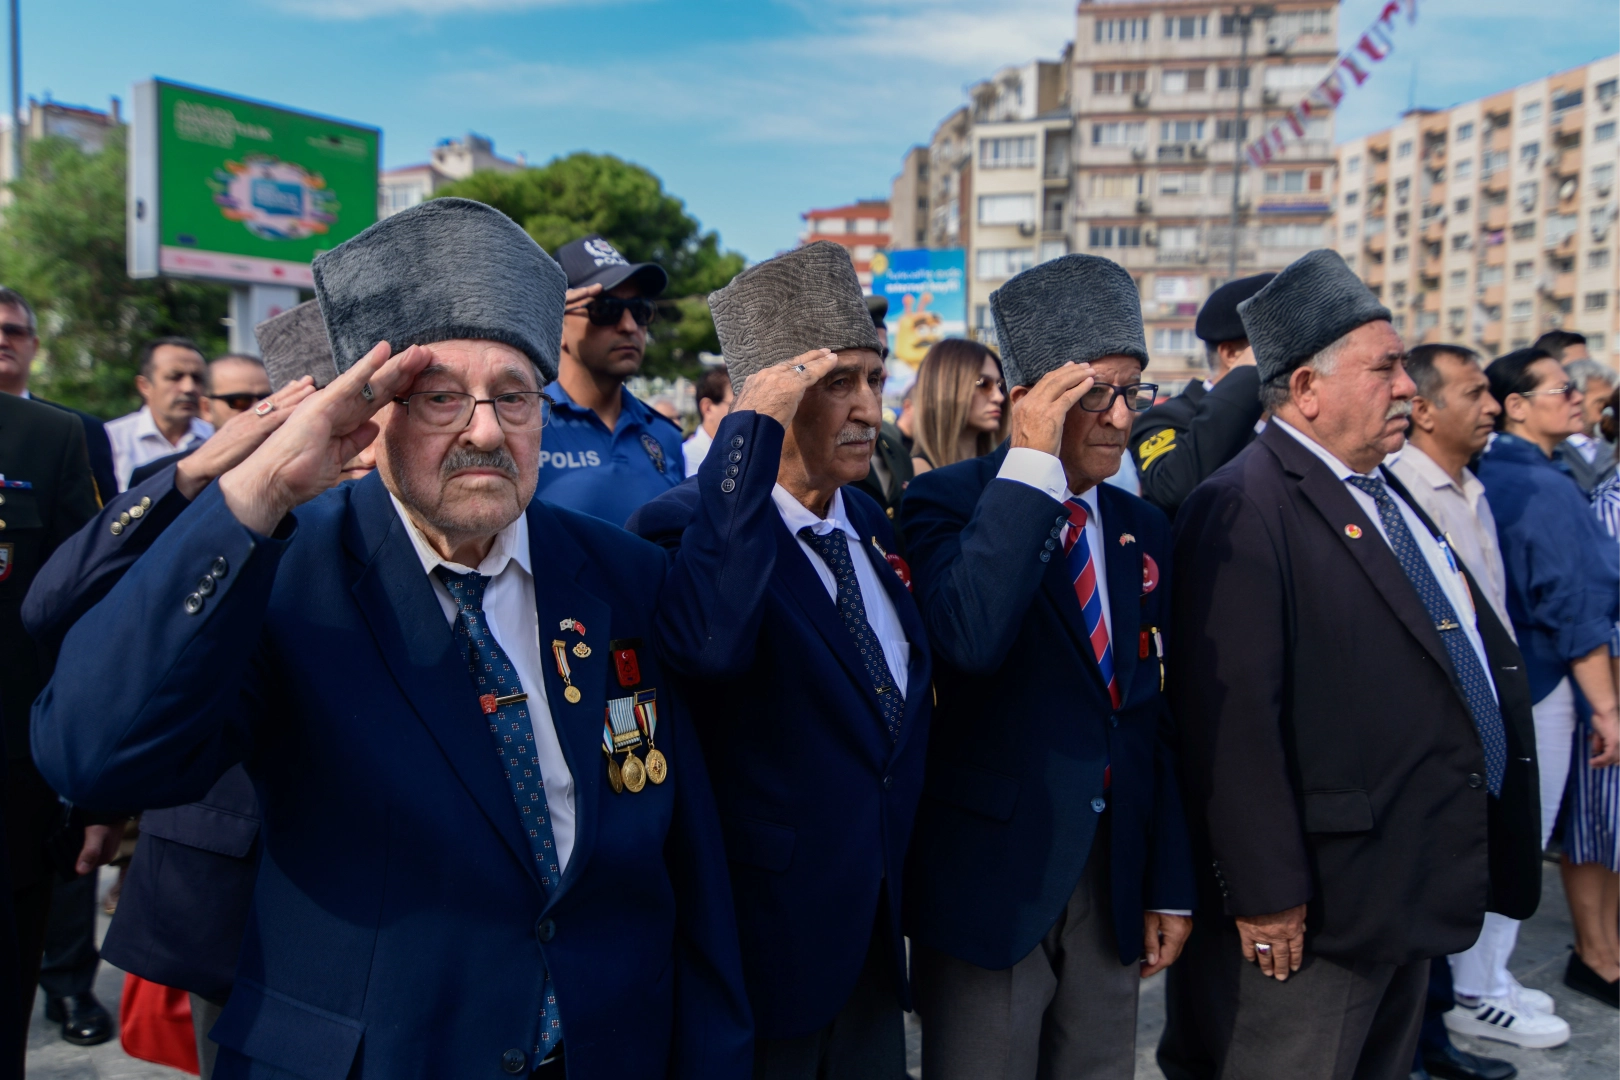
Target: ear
(1016, 394)
(1422, 414)
(1302, 390)
(143, 385)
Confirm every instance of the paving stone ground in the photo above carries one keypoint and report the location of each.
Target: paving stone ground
(1593, 1053)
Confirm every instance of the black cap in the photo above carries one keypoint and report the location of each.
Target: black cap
(1218, 320)
(879, 307)
(592, 261)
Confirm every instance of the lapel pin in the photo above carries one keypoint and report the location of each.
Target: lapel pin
(1150, 574)
(572, 624)
(582, 650)
(1353, 531)
(1126, 538)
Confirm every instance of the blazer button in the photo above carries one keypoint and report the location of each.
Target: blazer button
(728, 485)
(116, 527)
(514, 1062)
(1475, 780)
(734, 457)
(194, 604)
(1050, 545)
(220, 568)
(205, 587)
(546, 931)
(736, 442)
(1113, 720)
(1046, 556)
(1099, 804)
(731, 470)
(888, 782)
(1062, 520)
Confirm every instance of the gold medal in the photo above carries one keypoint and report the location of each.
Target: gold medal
(615, 778)
(582, 650)
(572, 694)
(635, 776)
(657, 767)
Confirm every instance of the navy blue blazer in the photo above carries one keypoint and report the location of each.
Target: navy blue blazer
(184, 904)
(1025, 726)
(815, 800)
(398, 925)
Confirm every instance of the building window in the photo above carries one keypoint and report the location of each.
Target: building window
(1458, 279)
(1119, 133)
(1186, 27)
(1003, 262)
(1120, 30)
(863, 252)
(1174, 288)
(1351, 198)
(1463, 169)
(1603, 132)
(1181, 130)
(1223, 130)
(1399, 323)
(1595, 301)
(1116, 185)
(1524, 230)
(1595, 342)
(1401, 253)
(1456, 317)
(1118, 82)
(1053, 249)
(1490, 275)
(1530, 113)
(1462, 241)
(1403, 191)
(1465, 132)
(1427, 320)
(1520, 311)
(1493, 162)
(1566, 101)
(1232, 78)
(1462, 205)
(1178, 237)
(1597, 259)
(1166, 339)
(1293, 182)
(1116, 236)
(1350, 231)
(867, 225)
(1182, 80)
(1353, 166)
(1404, 149)
(1011, 153)
(1603, 177)
(1006, 209)
(1559, 227)
(1524, 270)
(1291, 236)
(1181, 183)
(1529, 152)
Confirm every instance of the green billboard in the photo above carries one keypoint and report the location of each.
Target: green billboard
(229, 189)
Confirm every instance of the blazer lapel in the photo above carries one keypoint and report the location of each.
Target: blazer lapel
(417, 643)
(1124, 569)
(558, 597)
(801, 582)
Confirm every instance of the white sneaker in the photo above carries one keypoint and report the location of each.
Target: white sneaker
(1536, 1000)
(1508, 1020)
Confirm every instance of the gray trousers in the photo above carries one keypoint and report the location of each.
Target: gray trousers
(1331, 1020)
(1068, 1009)
(865, 1041)
(204, 1014)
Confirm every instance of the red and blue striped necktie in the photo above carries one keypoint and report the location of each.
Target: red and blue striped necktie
(1083, 572)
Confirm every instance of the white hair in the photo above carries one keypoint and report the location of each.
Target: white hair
(1275, 393)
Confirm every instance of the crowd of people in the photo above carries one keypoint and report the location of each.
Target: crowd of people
(478, 723)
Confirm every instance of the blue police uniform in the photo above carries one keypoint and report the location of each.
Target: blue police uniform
(607, 474)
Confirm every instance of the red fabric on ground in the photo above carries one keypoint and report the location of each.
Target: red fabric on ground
(154, 1024)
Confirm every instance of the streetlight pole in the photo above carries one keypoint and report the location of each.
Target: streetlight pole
(16, 93)
(1242, 78)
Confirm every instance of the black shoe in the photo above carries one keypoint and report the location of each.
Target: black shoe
(1577, 976)
(1450, 1063)
(84, 1022)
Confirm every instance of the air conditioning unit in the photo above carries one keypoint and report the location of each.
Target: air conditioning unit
(1144, 206)
(1275, 43)
(1566, 190)
(1141, 98)
(1202, 257)
(1603, 191)
(1138, 153)
(1270, 97)
(1026, 228)
(1150, 238)
(1198, 151)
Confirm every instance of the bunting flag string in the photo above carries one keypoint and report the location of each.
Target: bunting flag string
(1355, 63)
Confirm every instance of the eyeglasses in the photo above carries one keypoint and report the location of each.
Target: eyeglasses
(233, 402)
(12, 329)
(441, 411)
(985, 383)
(1101, 397)
(1562, 391)
(608, 310)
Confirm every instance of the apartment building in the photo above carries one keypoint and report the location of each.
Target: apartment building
(87, 128)
(908, 201)
(861, 227)
(1158, 146)
(1492, 222)
(452, 160)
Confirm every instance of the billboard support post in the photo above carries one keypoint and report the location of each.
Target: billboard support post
(250, 306)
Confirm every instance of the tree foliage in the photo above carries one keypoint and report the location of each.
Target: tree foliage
(583, 193)
(62, 246)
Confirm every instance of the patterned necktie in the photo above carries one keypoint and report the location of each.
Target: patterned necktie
(1482, 704)
(1083, 572)
(834, 551)
(509, 726)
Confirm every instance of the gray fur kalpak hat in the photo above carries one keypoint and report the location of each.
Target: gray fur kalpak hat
(806, 299)
(1076, 308)
(1312, 303)
(442, 270)
(293, 344)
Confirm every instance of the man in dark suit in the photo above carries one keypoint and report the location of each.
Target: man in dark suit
(1179, 443)
(424, 907)
(46, 494)
(1357, 746)
(807, 666)
(1046, 597)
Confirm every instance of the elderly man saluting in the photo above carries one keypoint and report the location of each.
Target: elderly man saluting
(808, 667)
(457, 879)
(1350, 719)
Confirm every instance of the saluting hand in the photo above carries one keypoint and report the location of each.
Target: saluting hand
(306, 455)
(1038, 415)
(777, 390)
(238, 437)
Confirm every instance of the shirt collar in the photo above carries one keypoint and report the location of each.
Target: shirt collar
(511, 545)
(1579, 440)
(796, 517)
(1431, 472)
(1340, 469)
(146, 425)
(559, 396)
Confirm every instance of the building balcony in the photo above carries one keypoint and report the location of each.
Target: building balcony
(1564, 162)
(1373, 244)
(1495, 217)
(1374, 275)
(1491, 336)
(1496, 182)
(1434, 232)
(1563, 286)
(1432, 266)
(1496, 255)
(1569, 121)
(1491, 295)
(1380, 173)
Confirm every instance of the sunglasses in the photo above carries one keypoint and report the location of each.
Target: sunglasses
(984, 383)
(608, 310)
(238, 402)
(12, 329)
(1560, 391)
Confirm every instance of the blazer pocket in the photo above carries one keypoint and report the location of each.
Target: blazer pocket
(287, 1034)
(759, 843)
(203, 827)
(978, 791)
(1348, 811)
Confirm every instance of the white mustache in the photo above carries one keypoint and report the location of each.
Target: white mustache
(1398, 408)
(854, 433)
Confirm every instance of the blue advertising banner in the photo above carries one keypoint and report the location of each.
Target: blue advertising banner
(926, 290)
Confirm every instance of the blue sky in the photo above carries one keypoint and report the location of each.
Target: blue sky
(751, 110)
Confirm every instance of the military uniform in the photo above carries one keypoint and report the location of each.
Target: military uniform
(1177, 443)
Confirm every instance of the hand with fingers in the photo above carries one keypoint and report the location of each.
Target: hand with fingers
(576, 300)
(1163, 935)
(1276, 942)
(240, 436)
(777, 390)
(1038, 416)
(305, 456)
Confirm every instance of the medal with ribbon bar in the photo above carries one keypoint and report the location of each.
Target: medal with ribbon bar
(622, 732)
(559, 649)
(646, 710)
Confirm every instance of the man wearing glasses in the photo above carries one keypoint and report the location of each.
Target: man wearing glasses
(606, 453)
(236, 383)
(1050, 870)
(457, 673)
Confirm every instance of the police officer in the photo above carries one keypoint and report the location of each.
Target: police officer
(1177, 444)
(605, 453)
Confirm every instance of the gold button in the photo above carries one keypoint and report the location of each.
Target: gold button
(116, 527)
(123, 519)
(2, 524)
(2, 498)
(136, 511)
(146, 502)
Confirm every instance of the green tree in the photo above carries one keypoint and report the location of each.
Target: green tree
(62, 246)
(584, 193)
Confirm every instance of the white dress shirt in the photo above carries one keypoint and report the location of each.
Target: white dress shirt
(509, 608)
(136, 440)
(1463, 515)
(1451, 581)
(880, 613)
(695, 449)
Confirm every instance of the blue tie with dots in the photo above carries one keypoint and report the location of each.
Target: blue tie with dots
(509, 726)
(834, 551)
(1476, 685)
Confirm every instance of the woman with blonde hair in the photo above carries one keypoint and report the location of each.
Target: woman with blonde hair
(959, 398)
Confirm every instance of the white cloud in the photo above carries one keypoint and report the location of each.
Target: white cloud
(356, 10)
